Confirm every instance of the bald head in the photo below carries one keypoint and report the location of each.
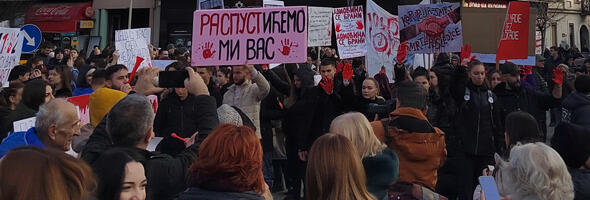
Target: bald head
(57, 122)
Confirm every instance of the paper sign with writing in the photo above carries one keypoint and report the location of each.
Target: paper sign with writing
(132, 43)
(515, 34)
(431, 28)
(81, 103)
(382, 39)
(256, 35)
(11, 45)
(24, 124)
(319, 28)
(349, 25)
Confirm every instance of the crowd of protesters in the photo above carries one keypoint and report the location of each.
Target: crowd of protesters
(323, 129)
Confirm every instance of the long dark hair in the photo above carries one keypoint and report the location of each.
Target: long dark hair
(6, 93)
(34, 93)
(110, 172)
(65, 76)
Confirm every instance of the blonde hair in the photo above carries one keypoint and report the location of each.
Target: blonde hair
(356, 127)
(335, 171)
(534, 171)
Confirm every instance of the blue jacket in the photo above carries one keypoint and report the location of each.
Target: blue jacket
(82, 91)
(20, 139)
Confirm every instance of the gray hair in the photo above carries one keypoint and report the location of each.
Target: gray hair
(534, 171)
(50, 114)
(129, 120)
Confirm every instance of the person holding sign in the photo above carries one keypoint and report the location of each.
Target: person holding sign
(249, 89)
(51, 131)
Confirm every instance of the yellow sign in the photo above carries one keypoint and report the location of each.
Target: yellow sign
(86, 24)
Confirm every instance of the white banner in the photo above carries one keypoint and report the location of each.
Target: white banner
(538, 38)
(319, 26)
(11, 45)
(132, 43)
(349, 25)
(382, 39)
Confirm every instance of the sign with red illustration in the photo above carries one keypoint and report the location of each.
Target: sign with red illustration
(256, 35)
(81, 103)
(349, 25)
(431, 28)
(382, 39)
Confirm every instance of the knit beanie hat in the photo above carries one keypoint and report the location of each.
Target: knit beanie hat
(233, 115)
(100, 103)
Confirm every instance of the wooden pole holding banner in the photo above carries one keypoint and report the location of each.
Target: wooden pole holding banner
(130, 14)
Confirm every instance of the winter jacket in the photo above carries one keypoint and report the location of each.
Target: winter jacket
(82, 91)
(576, 109)
(167, 173)
(63, 93)
(248, 96)
(419, 146)
(547, 70)
(201, 194)
(20, 112)
(477, 122)
(182, 118)
(20, 139)
(271, 107)
(581, 179)
(525, 99)
(4, 123)
(382, 170)
(215, 93)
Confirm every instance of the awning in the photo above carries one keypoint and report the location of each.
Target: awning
(58, 18)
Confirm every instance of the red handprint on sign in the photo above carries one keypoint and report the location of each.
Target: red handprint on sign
(287, 47)
(359, 25)
(347, 72)
(338, 28)
(433, 26)
(207, 53)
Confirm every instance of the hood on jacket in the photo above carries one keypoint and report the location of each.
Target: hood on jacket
(442, 59)
(100, 103)
(575, 100)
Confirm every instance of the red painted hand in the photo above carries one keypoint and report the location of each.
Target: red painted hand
(338, 28)
(287, 47)
(347, 73)
(207, 53)
(327, 84)
(359, 25)
(558, 76)
(402, 52)
(339, 67)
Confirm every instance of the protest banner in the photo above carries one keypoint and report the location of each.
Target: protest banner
(488, 23)
(319, 27)
(24, 124)
(255, 35)
(349, 25)
(11, 45)
(431, 28)
(382, 40)
(515, 34)
(273, 3)
(81, 103)
(538, 38)
(162, 63)
(210, 4)
(132, 43)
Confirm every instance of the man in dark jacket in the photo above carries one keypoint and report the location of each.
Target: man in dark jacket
(207, 74)
(550, 64)
(513, 97)
(129, 125)
(576, 106)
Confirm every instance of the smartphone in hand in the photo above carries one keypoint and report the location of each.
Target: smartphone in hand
(172, 79)
(489, 188)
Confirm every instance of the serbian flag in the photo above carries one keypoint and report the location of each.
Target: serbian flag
(515, 34)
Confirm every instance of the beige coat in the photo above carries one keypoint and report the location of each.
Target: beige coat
(248, 96)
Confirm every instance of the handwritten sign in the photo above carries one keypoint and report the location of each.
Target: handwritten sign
(515, 34)
(162, 64)
(319, 28)
(256, 35)
(431, 28)
(350, 31)
(11, 45)
(382, 39)
(24, 124)
(132, 43)
(81, 103)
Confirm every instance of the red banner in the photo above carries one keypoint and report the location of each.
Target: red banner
(515, 34)
(81, 103)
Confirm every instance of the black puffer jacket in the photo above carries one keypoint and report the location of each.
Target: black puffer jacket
(477, 121)
(4, 123)
(182, 118)
(201, 194)
(576, 109)
(525, 99)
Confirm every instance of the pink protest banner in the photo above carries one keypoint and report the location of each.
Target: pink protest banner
(81, 103)
(256, 35)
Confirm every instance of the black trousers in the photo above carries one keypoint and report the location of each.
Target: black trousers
(295, 176)
(471, 170)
